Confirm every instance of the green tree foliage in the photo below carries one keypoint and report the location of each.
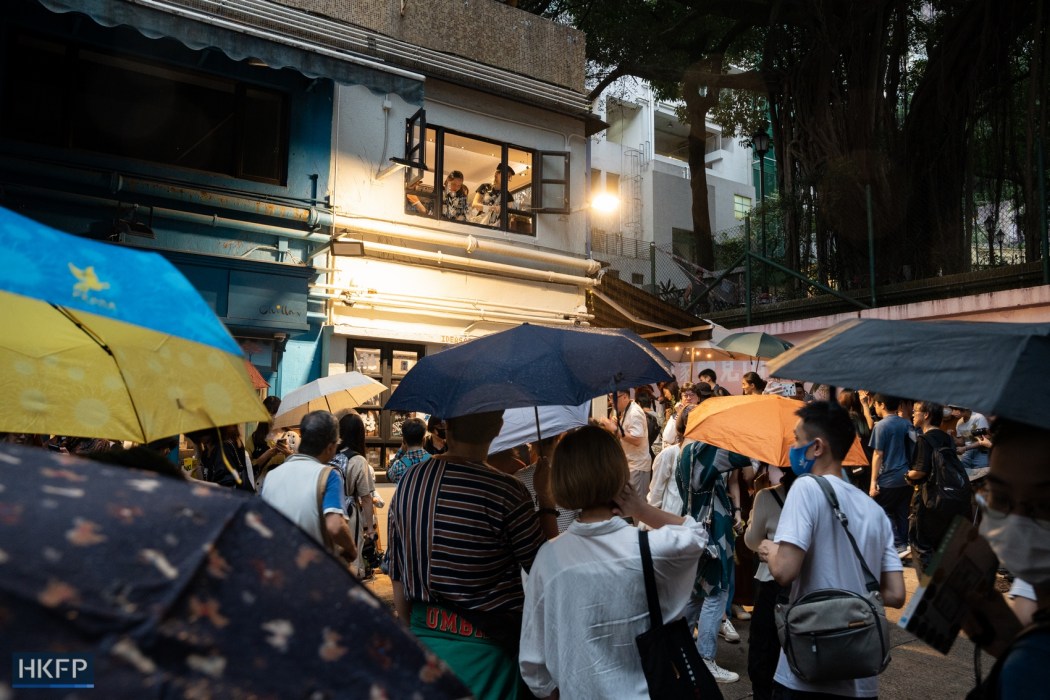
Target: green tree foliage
(937, 106)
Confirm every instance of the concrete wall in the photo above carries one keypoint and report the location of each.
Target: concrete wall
(1031, 305)
(523, 43)
(366, 136)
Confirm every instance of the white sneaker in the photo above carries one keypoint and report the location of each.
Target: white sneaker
(728, 633)
(740, 613)
(720, 674)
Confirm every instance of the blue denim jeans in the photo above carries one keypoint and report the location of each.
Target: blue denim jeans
(711, 613)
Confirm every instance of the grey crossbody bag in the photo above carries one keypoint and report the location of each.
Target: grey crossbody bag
(833, 634)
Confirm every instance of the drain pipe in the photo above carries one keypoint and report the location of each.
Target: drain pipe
(443, 259)
(471, 244)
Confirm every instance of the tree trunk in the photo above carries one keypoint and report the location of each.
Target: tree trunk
(698, 101)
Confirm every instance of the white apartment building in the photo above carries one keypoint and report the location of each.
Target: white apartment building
(643, 158)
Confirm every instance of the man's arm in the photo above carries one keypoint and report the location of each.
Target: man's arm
(784, 559)
(876, 466)
(402, 606)
(339, 531)
(891, 586)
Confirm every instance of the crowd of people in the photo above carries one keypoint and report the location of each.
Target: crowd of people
(522, 571)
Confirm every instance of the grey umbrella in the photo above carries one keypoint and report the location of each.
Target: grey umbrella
(1000, 369)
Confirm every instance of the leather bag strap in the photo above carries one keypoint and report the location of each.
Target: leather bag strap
(871, 583)
(655, 616)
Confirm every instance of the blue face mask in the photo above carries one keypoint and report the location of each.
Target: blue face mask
(800, 464)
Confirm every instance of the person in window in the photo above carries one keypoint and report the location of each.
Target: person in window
(488, 201)
(454, 205)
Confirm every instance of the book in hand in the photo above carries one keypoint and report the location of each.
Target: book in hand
(960, 583)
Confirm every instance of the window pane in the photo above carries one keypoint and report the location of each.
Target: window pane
(419, 184)
(64, 95)
(155, 113)
(33, 92)
(741, 206)
(477, 160)
(519, 215)
(263, 135)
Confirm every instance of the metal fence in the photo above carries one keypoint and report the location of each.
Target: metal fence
(752, 265)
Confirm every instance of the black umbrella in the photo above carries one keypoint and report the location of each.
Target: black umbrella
(185, 590)
(995, 368)
(529, 366)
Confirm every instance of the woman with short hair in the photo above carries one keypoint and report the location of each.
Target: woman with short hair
(585, 596)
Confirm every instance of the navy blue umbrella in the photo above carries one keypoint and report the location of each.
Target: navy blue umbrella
(529, 366)
(180, 589)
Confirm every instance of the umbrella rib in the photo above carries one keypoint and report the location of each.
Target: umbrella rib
(91, 334)
(87, 331)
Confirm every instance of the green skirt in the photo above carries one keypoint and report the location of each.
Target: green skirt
(482, 664)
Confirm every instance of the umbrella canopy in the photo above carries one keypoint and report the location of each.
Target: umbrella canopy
(529, 366)
(994, 368)
(754, 345)
(185, 590)
(105, 341)
(761, 427)
(339, 392)
(520, 424)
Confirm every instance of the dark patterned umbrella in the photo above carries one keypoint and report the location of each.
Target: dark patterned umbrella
(185, 590)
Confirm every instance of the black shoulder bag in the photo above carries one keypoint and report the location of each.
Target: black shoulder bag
(672, 665)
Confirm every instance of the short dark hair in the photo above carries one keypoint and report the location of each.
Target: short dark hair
(475, 428)
(317, 430)
(272, 404)
(934, 410)
(754, 380)
(892, 403)
(828, 420)
(413, 431)
(644, 400)
(708, 372)
(589, 468)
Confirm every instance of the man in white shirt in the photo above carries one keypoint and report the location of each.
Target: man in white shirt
(811, 550)
(630, 427)
(970, 427)
(292, 489)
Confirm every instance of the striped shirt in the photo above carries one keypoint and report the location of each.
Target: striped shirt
(462, 532)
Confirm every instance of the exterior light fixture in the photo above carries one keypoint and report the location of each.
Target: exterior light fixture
(348, 249)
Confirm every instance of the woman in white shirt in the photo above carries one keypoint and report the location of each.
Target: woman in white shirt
(585, 595)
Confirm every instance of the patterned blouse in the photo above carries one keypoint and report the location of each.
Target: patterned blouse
(454, 206)
(702, 484)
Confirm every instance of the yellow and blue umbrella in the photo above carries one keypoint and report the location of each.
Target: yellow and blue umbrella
(105, 341)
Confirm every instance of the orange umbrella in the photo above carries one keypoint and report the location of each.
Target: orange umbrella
(761, 427)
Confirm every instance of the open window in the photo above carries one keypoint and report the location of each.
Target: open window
(478, 181)
(553, 177)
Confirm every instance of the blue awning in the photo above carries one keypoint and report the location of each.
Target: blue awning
(199, 30)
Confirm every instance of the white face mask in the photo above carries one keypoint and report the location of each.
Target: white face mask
(1022, 544)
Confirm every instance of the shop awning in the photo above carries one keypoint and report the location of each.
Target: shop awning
(241, 40)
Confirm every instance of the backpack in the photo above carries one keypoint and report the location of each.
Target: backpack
(948, 483)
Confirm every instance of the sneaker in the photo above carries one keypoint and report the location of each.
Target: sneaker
(720, 674)
(740, 613)
(904, 552)
(728, 633)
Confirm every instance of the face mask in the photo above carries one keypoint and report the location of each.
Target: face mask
(800, 464)
(1022, 544)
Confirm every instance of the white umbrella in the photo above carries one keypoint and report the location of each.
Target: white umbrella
(519, 424)
(339, 392)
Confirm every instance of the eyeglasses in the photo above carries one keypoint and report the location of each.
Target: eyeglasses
(996, 506)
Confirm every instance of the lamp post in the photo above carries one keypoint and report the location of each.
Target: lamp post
(760, 145)
(989, 231)
(1000, 235)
